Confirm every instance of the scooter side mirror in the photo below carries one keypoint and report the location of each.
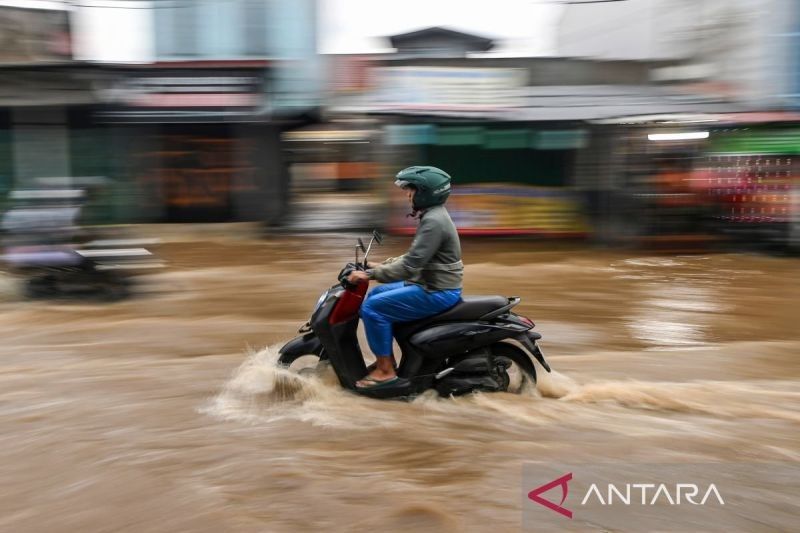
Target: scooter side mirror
(377, 236)
(361, 245)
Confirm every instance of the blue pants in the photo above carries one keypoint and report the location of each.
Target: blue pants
(399, 302)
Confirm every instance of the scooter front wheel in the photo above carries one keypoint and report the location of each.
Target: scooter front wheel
(299, 363)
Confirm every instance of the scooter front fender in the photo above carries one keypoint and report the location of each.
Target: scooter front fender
(302, 345)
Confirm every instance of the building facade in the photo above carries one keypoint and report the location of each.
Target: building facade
(746, 49)
(42, 91)
(204, 118)
(178, 106)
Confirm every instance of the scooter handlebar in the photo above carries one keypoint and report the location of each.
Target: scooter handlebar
(345, 273)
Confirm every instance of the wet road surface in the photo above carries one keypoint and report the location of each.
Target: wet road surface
(164, 412)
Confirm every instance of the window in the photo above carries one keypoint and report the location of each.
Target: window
(176, 29)
(255, 30)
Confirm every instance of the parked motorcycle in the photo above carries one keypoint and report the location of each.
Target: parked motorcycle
(100, 269)
(477, 345)
(45, 244)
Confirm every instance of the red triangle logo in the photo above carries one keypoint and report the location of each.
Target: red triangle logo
(535, 494)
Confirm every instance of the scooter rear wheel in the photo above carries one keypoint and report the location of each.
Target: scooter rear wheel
(521, 372)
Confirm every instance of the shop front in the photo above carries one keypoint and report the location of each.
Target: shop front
(534, 159)
(753, 173)
(509, 179)
(197, 143)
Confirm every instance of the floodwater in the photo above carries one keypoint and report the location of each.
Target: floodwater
(165, 413)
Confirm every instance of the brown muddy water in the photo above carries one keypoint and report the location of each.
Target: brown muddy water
(165, 412)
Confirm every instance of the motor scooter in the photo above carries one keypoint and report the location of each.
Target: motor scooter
(479, 344)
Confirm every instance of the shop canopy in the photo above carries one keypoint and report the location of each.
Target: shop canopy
(47, 85)
(490, 139)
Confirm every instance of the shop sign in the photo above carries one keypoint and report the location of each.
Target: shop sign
(448, 87)
(190, 91)
(505, 209)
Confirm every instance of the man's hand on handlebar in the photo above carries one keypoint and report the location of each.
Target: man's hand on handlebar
(357, 276)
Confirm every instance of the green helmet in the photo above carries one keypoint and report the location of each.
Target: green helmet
(432, 185)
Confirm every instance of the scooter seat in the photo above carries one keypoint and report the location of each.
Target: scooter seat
(469, 308)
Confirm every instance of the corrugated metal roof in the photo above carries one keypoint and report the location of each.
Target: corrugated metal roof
(45, 87)
(574, 103)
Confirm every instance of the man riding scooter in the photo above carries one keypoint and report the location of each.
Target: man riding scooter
(423, 282)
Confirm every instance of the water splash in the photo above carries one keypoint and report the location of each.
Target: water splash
(260, 391)
(553, 384)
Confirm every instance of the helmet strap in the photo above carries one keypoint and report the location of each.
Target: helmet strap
(415, 213)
